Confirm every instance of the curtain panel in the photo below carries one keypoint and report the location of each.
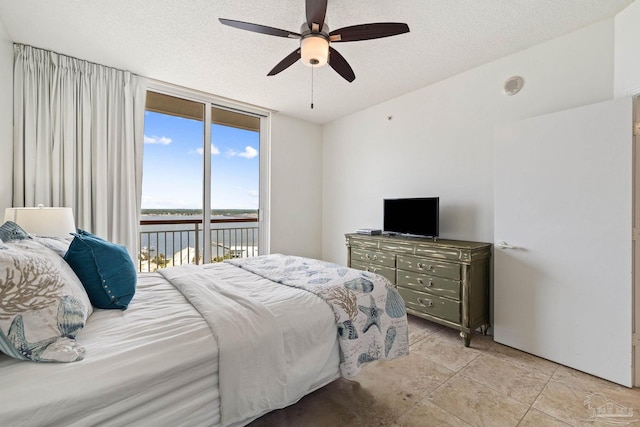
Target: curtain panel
(78, 140)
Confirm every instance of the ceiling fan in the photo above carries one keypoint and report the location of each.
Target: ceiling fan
(315, 39)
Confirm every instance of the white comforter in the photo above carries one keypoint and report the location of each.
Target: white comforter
(253, 378)
(157, 362)
(370, 314)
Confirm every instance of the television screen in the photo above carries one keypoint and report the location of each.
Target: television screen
(417, 216)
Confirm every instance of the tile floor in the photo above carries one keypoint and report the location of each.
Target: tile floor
(442, 383)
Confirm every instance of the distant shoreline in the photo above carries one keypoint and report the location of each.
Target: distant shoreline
(198, 212)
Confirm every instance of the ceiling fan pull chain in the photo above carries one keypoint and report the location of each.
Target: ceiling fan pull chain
(312, 87)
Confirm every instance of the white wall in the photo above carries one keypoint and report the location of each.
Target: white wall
(6, 119)
(440, 139)
(627, 51)
(296, 187)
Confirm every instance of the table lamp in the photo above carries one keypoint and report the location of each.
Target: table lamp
(41, 221)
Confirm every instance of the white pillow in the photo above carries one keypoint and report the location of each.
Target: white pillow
(56, 244)
(43, 304)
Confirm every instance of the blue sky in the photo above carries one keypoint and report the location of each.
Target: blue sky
(173, 165)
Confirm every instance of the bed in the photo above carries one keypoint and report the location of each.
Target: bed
(161, 361)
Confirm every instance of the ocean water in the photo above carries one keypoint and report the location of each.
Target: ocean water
(238, 239)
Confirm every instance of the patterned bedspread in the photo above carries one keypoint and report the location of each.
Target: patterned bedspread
(369, 311)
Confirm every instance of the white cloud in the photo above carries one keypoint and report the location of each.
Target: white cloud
(200, 150)
(248, 153)
(162, 140)
(254, 193)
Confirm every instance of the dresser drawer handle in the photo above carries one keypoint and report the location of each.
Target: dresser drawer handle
(371, 269)
(427, 302)
(421, 281)
(422, 266)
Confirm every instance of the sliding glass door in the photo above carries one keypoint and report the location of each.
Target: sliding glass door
(235, 183)
(201, 154)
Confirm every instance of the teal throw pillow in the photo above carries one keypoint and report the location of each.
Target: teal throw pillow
(104, 268)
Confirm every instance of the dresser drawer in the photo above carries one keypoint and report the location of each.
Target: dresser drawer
(432, 267)
(387, 272)
(428, 283)
(431, 304)
(373, 257)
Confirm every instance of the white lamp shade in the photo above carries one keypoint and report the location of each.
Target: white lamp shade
(314, 51)
(41, 221)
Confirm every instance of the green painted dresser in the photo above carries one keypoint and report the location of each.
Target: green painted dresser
(445, 281)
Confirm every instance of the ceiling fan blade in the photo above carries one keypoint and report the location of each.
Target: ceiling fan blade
(288, 61)
(316, 12)
(257, 28)
(368, 31)
(340, 65)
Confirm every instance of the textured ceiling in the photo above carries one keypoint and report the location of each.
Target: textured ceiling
(182, 42)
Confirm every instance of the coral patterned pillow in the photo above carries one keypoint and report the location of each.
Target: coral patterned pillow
(43, 305)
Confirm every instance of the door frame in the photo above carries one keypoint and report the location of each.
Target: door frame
(636, 243)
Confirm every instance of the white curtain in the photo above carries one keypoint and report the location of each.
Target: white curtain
(78, 138)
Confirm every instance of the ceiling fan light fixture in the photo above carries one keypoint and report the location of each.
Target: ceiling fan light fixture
(315, 38)
(314, 50)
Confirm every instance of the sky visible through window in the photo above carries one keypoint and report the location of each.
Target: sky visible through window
(173, 165)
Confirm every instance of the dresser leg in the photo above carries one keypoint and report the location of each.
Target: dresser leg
(484, 328)
(467, 338)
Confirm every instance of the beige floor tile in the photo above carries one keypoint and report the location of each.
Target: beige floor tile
(572, 396)
(420, 328)
(310, 412)
(412, 371)
(563, 403)
(521, 383)
(477, 404)
(426, 413)
(488, 345)
(442, 383)
(536, 418)
(590, 384)
(446, 348)
(566, 403)
(377, 396)
(341, 403)
(403, 382)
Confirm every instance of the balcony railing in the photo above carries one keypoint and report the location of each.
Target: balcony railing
(168, 242)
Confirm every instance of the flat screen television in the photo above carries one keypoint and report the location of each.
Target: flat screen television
(416, 216)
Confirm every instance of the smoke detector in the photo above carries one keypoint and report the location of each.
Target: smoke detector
(513, 85)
